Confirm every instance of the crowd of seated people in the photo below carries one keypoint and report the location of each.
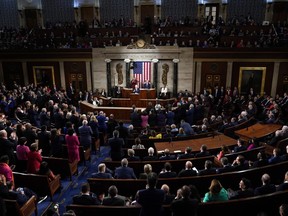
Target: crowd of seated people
(31, 101)
(199, 33)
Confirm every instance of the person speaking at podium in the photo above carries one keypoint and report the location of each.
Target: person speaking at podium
(147, 84)
(136, 90)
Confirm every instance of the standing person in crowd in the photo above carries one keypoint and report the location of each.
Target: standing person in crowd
(44, 141)
(7, 147)
(73, 143)
(56, 145)
(116, 145)
(22, 154)
(34, 159)
(85, 135)
(151, 199)
(102, 126)
(5, 169)
(216, 192)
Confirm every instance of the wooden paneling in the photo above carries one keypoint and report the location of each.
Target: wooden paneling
(13, 72)
(87, 14)
(75, 72)
(282, 85)
(280, 11)
(269, 73)
(213, 73)
(147, 17)
(55, 66)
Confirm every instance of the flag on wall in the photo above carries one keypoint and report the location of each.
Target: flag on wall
(142, 72)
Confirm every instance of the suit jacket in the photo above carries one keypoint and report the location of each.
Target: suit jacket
(124, 173)
(150, 158)
(167, 175)
(101, 175)
(85, 135)
(116, 145)
(207, 172)
(186, 156)
(133, 158)
(114, 201)
(225, 169)
(151, 200)
(184, 207)
(85, 200)
(187, 173)
(239, 148)
(265, 189)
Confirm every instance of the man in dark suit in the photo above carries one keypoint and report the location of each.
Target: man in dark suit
(70, 93)
(188, 171)
(203, 152)
(240, 146)
(85, 134)
(114, 199)
(44, 141)
(188, 154)
(151, 199)
(124, 172)
(147, 84)
(167, 155)
(86, 197)
(226, 166)
(266, 187)
(7, 147)
(136, 90)
(208, 170)
(116, 145)
(167, 171)
(102, 172)
(151, 156)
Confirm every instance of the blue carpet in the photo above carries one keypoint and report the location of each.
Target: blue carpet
(71, 188)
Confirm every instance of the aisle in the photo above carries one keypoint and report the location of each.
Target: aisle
(71, 188)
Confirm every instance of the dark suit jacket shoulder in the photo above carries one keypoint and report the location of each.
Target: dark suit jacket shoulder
(85, 200)
(113, 201)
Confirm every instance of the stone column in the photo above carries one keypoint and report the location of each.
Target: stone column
(127, 61)
(175, 77)
(275, 78)
(108, 72)
(62, 75)
(155, 75)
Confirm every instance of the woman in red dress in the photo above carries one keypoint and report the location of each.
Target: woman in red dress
(34, 159)
(73, 143)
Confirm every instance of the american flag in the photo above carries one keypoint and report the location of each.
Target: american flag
(142, 72)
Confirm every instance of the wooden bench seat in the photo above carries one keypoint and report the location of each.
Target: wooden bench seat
(248, 154)
(129, 187)
(157, 166)
(40, 184)
(62, 166)
(14, 209)
(246, 206)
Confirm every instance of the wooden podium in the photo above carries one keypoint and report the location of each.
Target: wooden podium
(144, 93)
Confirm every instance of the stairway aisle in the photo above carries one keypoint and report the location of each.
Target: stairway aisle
(72, 188)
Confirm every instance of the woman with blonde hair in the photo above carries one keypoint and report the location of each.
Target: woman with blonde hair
(216, 192)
